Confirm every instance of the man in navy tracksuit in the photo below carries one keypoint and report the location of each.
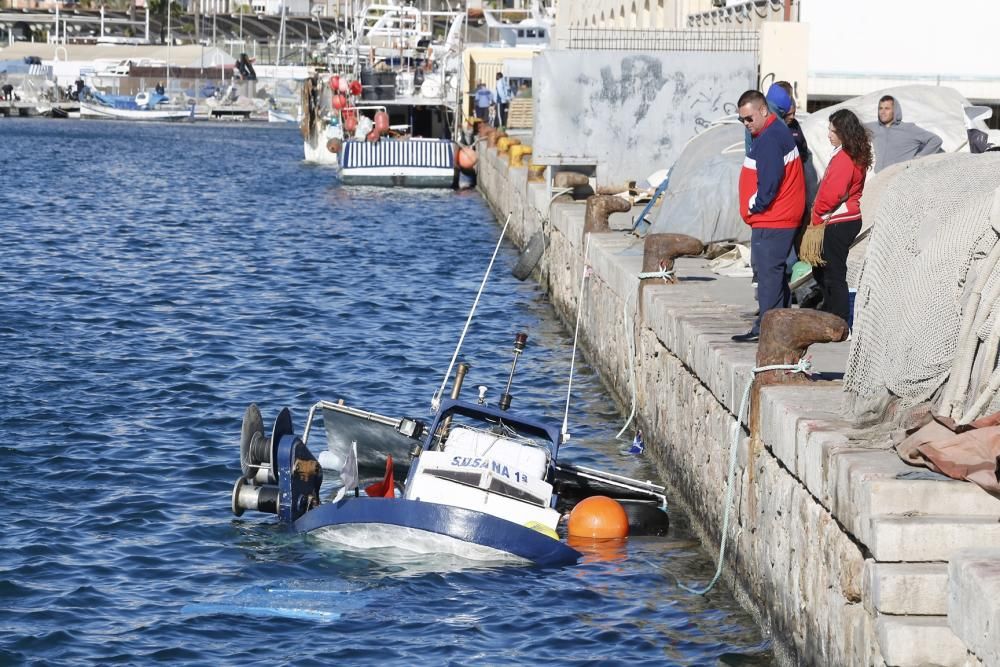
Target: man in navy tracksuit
(772, 199)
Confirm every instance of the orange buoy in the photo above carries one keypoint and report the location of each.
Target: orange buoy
(372, 136)
(339, 102)
(381, 122)
(466, 157)
(334, 145)
(350, 122)
(598, 517)
(334, 83)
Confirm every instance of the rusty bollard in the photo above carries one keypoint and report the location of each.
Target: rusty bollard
(569, 179)
(599, 207)
(495, 136)
(660, 250)
(785, 336)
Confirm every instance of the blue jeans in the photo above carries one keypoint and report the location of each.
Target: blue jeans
(769, 250)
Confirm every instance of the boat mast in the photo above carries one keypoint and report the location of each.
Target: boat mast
(170, 38)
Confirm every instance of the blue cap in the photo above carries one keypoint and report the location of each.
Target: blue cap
(778, 99)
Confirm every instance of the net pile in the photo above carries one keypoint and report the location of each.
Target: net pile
(918, 322)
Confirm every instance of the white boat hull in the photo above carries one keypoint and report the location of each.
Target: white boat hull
(274, 116)
(315, 151)
(88, 110)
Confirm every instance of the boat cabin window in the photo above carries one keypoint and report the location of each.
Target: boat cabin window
(427, 122)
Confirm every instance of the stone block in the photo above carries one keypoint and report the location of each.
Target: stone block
(919, 640)
(929, 538)
(918, 589)
(849, 471)
(974, 601)
(816, 453)
(788, 413)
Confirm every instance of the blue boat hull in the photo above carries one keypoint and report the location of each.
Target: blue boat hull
(457, 523)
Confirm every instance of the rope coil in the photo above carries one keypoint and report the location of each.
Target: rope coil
(662, 273)
(804, 365)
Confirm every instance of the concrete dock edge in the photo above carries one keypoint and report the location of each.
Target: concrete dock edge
(840, 555)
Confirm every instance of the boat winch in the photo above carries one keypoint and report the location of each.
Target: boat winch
(279, 474)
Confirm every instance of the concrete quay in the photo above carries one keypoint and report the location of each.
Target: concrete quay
(845, 554)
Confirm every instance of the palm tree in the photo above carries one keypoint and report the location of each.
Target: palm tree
(159, 8)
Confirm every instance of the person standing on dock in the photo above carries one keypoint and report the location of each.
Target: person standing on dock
(895, 141)
(503, 96)
(837, 209)
(483, 100)
(772, 199)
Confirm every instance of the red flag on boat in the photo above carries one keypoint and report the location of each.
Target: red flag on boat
(387, 487)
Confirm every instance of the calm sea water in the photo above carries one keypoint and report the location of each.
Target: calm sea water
(156, 279)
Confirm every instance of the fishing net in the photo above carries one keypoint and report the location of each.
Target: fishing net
(935, 222)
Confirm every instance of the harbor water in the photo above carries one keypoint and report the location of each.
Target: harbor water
(156, 279)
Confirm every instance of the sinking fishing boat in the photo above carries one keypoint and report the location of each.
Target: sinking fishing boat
(479, 480)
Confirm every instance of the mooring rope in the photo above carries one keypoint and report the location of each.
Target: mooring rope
(803, 366)
(576, 338)
(629, 323)
(436, 399)
(662, 273)
(630, 335)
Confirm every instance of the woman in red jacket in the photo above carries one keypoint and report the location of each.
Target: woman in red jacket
(838, 204)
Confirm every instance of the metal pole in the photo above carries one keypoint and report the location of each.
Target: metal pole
(102, 20)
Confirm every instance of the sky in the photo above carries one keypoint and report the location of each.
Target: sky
(908, 37)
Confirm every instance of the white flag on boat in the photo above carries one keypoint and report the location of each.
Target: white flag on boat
(349, 473)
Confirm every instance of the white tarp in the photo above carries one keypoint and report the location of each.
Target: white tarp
(630, 113)
(701, 198)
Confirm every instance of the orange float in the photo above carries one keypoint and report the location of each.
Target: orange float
(372, 136)
(334, 83)
(334, 145)
(339, 102)
(381, 122)
(350, 122)
(466, 157)
(598, 517)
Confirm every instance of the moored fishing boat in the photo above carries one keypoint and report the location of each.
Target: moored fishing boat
(390, 114)
(144, 106)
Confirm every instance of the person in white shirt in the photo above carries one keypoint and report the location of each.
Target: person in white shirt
(503, 96)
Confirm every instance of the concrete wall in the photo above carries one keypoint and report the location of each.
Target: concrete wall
(630, 113)
(837, 551)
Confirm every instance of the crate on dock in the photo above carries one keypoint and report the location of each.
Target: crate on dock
(521, 114)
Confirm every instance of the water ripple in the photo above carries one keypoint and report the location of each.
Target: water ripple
(154, 280)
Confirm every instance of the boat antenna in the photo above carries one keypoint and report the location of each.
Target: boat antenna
(436, 399)
(576, 338)
(520, 340)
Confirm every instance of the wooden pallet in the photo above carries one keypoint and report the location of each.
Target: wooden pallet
(521, 114)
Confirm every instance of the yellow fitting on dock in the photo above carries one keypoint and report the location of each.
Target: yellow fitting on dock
(536, 172)
(517, 154)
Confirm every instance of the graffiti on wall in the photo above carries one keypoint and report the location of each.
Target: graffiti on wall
(630, 112)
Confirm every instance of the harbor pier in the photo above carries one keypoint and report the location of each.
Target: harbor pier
(845, 554)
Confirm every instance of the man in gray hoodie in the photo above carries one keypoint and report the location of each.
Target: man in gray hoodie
(895, 141)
